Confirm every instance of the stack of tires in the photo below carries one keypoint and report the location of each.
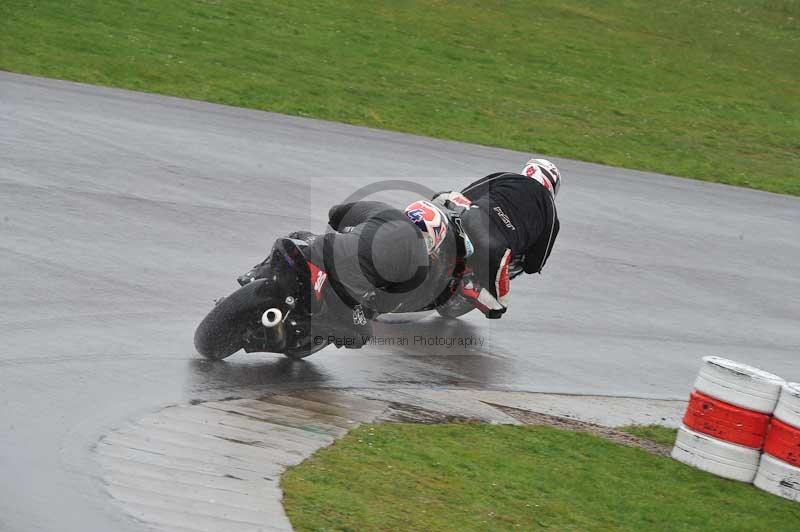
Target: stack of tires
(727, 419)
(779, 472)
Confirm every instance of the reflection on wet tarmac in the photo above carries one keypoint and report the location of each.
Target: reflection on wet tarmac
(432, 337)
(430, 352)
(244, 374)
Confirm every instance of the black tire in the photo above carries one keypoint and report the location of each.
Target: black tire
(221, 333)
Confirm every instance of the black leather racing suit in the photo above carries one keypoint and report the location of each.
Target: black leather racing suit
(512, 230)
(376, 257)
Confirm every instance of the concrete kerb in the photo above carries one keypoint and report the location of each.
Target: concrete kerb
(216, 465)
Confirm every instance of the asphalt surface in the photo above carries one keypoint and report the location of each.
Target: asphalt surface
(124, 215)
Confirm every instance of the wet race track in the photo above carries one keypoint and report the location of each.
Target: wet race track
(124, 215)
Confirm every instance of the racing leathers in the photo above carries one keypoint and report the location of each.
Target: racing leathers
(375, 256)
(511, 222)
(375, 261)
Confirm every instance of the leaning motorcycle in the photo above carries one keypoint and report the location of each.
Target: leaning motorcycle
(280, 308)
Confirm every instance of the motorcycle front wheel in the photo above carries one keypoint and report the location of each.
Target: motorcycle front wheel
(222, 331)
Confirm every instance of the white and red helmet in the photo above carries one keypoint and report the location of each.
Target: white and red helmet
(545, 173)
(431, 221)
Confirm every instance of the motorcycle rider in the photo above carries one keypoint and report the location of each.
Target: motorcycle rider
(378, 259)
(512, 223)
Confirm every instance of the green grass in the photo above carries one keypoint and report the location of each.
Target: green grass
(656, 433)
(702, 89)
(496, 477)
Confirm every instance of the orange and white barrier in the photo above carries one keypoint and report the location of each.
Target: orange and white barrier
(783, 442)
(726, 422)
(779, 472)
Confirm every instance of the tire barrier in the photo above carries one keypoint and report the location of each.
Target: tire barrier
(735, 412)
(720, 458)
(739, 384)
(778, 478)
(727, 419)
(788, 409)
(783, 442)
(779, 472)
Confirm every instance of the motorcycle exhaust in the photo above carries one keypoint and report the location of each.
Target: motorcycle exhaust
(275, 339)
(271, 317)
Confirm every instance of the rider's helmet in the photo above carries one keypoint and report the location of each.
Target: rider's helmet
(431, 221)
(545, 173)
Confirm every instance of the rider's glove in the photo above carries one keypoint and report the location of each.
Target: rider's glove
(480, 298)
(455, 201)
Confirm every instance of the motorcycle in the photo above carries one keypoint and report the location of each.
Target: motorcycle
(279, 309)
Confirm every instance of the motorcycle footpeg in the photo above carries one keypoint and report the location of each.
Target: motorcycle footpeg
(253, 274)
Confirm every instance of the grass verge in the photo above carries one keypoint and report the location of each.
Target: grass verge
(702, 89)
(656, 433)
(499, 477)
